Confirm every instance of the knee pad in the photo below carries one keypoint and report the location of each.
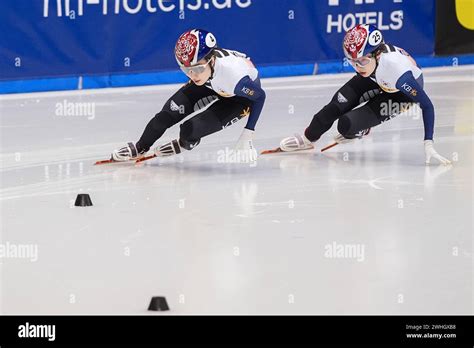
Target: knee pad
(186, 129)
(344, 125)
(188, 137)
(351, 123)
(188, 145)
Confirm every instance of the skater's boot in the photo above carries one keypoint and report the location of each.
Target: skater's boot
(168, 149)
(295, 143)
(127, 153)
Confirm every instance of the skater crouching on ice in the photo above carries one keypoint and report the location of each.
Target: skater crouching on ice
(386, 75)
(223, 77)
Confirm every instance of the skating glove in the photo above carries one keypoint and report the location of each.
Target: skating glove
(244, 148)
(431, 152)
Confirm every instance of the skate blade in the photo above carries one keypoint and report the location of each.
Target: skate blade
(266, 152)
(278, 150)
(328, 147)
(106, 162)
(111, 161)
(146, 158)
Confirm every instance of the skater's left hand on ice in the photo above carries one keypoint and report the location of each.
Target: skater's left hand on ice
(431, 152)
(244, 148)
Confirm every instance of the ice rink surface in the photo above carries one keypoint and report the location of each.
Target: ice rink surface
(364, 228)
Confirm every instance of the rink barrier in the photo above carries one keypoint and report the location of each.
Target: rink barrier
(171, 77)
(59, 38)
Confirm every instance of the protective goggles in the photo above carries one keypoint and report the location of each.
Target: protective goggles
(361, 62)
(197, 69)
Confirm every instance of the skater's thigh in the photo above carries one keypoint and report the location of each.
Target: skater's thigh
(354, 92)
(221, 114)
(227, 111)
(380, 108)
(188, 99)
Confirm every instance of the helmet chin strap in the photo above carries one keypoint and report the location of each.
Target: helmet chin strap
(211, 65)
(376, 66)
(376, 54)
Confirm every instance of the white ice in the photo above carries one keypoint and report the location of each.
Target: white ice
(217, 237)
